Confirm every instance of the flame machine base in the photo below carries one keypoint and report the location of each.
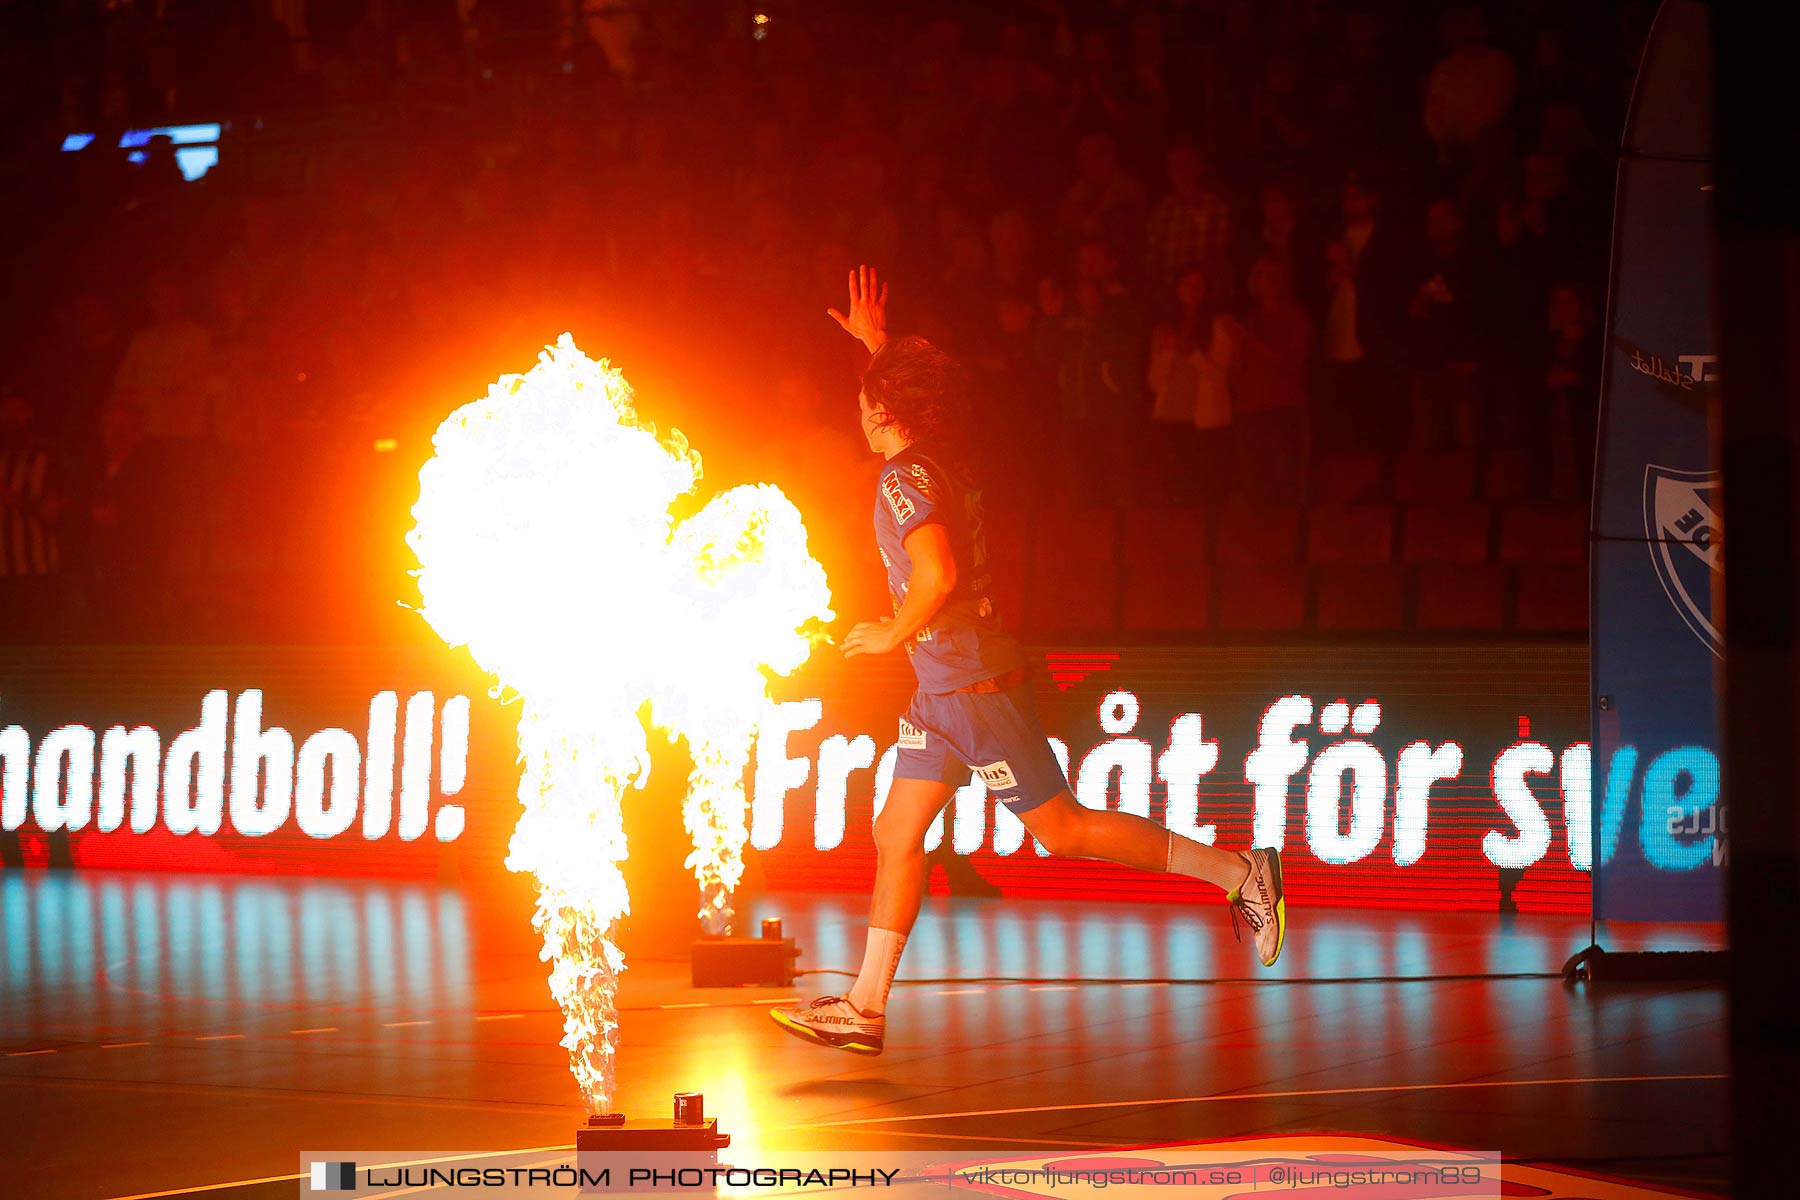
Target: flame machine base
(766, 961)
(650, 1135)
(617, 1144)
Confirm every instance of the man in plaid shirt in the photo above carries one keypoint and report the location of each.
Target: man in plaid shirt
(1191, 224)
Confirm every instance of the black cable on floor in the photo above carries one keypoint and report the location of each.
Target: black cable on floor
(1116, 980)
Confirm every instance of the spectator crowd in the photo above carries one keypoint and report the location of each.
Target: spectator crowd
(1189, 251)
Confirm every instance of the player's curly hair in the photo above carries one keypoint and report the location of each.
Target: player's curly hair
(922, 389)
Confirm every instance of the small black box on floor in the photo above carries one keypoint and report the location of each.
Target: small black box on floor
(766, 961)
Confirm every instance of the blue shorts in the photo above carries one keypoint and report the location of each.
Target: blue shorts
(995, 735)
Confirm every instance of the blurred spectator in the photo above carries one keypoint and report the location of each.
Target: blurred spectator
(1536, 231)
(1551, 73)
(1445, 322)
(1278, 132)
(159, 176)
(166, 372)
(1360, 405)
(1364, 99)
(1105, 202)
(1535, 227)
(124, 540)
(1011, 128)
(1280, 235)
(1150, 90)
(1014, 260)
(1571, 385)
(1269, 352)
(1192, 224)
(89, 349)
(33, 494)
(1470, 91)
(1097, 93)
(242, 380)
(1012, 386)
(867, 221)
(1095, 342)
(1189, 380)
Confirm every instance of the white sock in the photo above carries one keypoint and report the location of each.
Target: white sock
(1184, 857)
(881, 958)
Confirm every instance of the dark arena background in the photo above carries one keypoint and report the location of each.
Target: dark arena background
(1345, 386)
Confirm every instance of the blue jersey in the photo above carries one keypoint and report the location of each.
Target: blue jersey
(964, 642)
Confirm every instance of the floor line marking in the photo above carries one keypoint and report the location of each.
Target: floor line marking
(402, 1024)
(320, 1029)
(966, 1137)
(501, 1017)
(1054, 987)
(27, 1053)
(121, 1045)
(289, 1094)
(417, 1162)
(220, 1037)
(690, 1004)
(960, 992)
(1218, 1096)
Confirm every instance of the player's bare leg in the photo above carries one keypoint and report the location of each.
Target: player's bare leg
(856, 1021)
(912, 804)
(1070, 830)
(1251, 880)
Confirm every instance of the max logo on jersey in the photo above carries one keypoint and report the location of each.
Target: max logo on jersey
(1684, 533)
(896, 497)
(911, 737)
(998, 776)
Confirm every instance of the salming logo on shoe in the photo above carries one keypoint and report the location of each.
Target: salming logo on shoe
(844, 1029)
(1259, 900)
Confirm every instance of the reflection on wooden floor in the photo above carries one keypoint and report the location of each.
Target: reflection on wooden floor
(206, 1030)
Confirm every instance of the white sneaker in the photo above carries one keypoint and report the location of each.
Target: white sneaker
(1259, 899)
(833, 1021)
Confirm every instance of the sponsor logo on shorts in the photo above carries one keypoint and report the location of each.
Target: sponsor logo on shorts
(896, 497)
(998, 776)
(911, 738)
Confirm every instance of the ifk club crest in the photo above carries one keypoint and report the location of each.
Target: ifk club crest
(1682, 526)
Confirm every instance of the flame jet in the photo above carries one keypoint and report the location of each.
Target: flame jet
(546, 546)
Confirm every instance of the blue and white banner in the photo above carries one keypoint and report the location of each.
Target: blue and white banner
(1660, 819)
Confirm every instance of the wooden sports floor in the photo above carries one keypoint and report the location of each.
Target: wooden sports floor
(167, 1034)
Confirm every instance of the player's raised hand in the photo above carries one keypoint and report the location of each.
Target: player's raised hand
(867, 321)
